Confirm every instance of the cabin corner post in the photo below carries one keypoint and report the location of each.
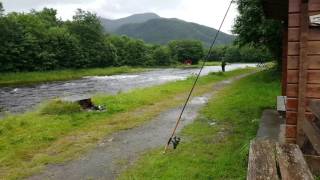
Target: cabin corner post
(303, 69)
(284, 60)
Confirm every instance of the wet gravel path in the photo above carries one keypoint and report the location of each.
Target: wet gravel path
(104, 162)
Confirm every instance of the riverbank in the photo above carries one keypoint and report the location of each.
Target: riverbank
(209, 63)
(59, 131)
(23, 78)
(216, 145)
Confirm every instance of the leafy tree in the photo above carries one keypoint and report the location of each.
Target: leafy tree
(1, 9)
(120, 44)
(232, 54)
(217, 53)
(137, 53)
(161, 56)
(95, 50)
(48, 16)
(254, 29)
(250, 54)
(61, 49)
(182, 50)
(241, 54)
(131, 52)
(11, 47)
(32, 55)
(39, 41)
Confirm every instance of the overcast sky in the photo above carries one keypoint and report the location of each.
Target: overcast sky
(206, 12)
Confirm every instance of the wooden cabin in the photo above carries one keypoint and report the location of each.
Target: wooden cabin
(301, 86)
(301, 60)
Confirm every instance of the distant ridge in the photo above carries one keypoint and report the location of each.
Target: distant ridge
(113, 25)
(156, 30)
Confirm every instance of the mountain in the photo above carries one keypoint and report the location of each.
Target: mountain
(156, 30)
(113, 25)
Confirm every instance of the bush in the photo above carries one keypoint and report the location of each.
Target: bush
(161, 56)
(58, 107)
(183, 50)
(240, 54)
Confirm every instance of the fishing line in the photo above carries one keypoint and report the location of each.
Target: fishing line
(196, 80)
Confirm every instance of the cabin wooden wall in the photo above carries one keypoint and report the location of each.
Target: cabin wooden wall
(303, 65)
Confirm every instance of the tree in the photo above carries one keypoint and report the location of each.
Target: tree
(12, 45)
(232, 54)
(1, 9)
(254, 29)
(138, 53)
(217, 53)
(161, 56)
(62, 49)
(86, 27)
(48, 16)
(120, 44)
(182, 50)
(39, 41)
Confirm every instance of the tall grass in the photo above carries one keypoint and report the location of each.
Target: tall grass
(216, 145)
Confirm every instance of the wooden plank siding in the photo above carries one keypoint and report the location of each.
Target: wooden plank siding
(311, 92)
(314, 62)
(313, 77)
(294, 6)
(301, 60)
(293, 69)
(292, 106)
(303, 68)
(314, 5)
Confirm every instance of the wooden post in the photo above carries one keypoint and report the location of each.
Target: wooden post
(303, 68)
(284, 60)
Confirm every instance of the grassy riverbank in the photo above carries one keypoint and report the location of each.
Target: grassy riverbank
(215, 151)
(210, 63)
(59, 131)
(23, 78)
(7, 79)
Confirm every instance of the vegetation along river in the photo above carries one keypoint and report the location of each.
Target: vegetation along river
(23, 98)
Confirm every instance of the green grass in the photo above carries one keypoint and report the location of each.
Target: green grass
(211, 63)
(59, 131)
(219, 151)
(7, 79)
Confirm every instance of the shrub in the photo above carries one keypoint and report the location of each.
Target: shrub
(57, 107)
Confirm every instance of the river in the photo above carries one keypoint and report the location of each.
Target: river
(24, 98)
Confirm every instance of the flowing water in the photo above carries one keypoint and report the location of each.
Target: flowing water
(23, 98)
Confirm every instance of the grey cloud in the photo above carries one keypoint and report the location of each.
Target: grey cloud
(109, 5)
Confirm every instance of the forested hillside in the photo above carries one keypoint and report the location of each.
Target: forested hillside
(113, 25)
(153, 29)
(161, 31)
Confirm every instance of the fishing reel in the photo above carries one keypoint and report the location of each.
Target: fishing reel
(175, 141)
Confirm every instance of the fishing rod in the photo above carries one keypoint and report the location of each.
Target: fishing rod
(172, 139)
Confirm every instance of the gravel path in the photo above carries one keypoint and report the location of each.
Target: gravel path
(121, 149)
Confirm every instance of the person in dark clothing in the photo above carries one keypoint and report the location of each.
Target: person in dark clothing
(223, 65)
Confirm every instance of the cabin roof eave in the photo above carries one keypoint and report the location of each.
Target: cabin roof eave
(276, 9)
